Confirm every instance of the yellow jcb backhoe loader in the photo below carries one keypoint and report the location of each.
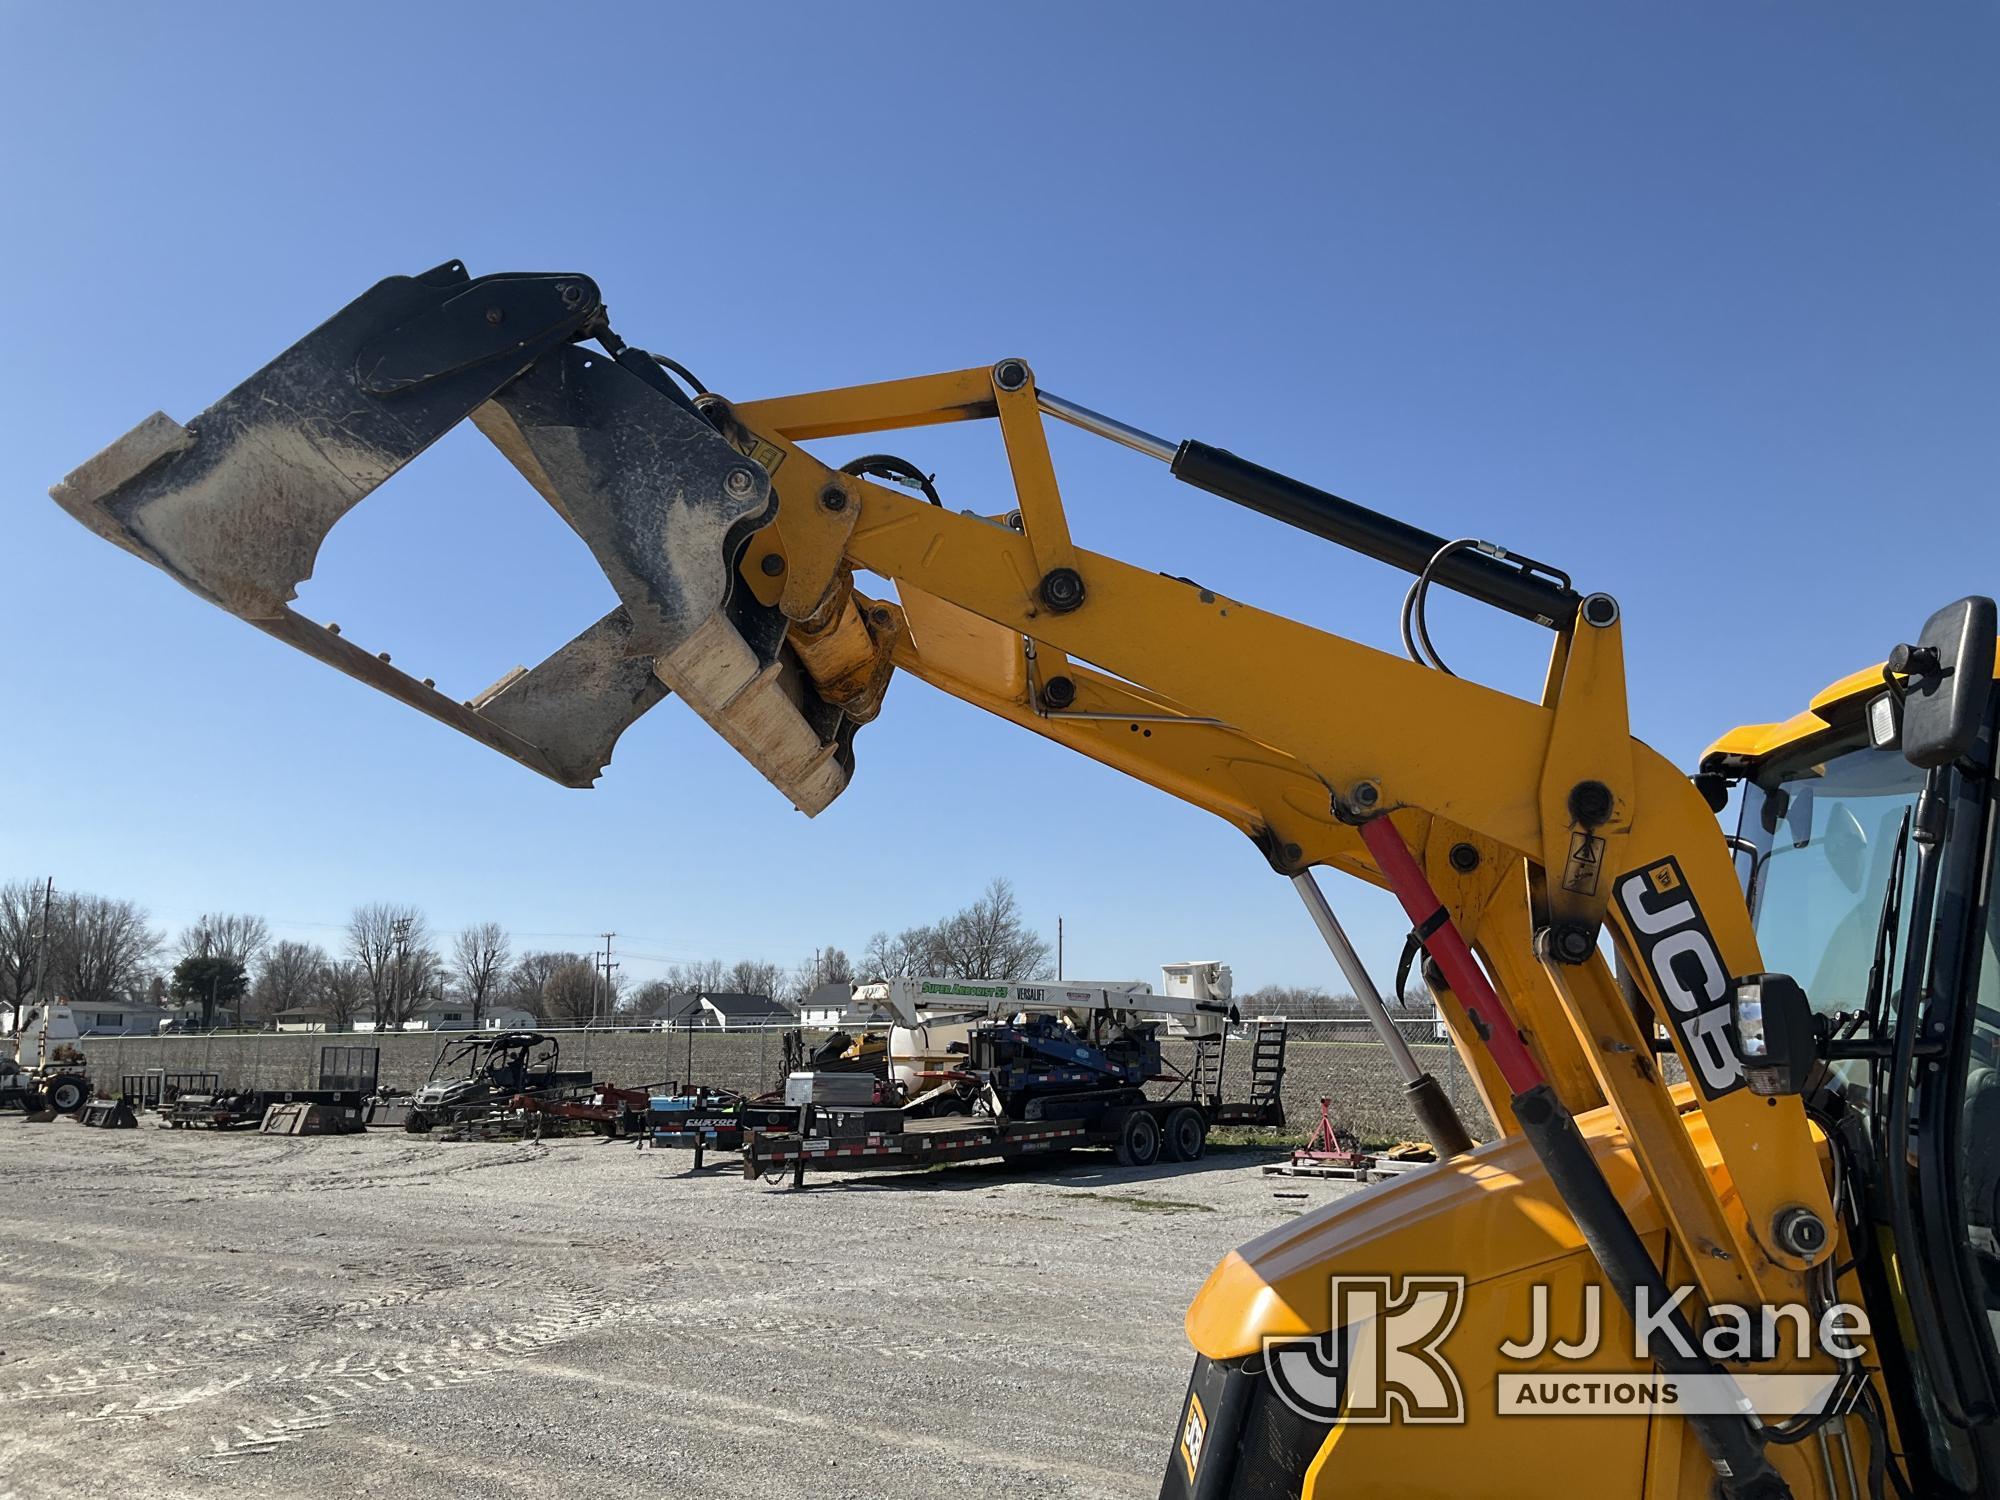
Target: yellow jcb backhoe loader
(1703, 1176)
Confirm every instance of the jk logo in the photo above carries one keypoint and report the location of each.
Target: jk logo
(1381, 1362)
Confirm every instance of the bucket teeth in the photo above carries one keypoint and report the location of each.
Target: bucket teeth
(236, 504)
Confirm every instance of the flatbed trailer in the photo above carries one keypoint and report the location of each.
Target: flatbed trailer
(245, 1108)
(1141, 1131)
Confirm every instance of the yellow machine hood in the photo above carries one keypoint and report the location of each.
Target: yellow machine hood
(1484, 1216)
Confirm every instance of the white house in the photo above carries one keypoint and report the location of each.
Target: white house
(120, 1018)
(448, 1015)
(456, 1015)
(726, 1012)
(827, 1007)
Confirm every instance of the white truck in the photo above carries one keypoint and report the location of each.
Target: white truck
(47, 1068)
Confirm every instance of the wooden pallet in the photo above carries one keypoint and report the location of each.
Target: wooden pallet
(311, 1119)
(1323, 1170)
(1372, 1169)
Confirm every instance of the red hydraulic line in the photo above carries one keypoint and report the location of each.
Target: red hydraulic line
(1442, 941)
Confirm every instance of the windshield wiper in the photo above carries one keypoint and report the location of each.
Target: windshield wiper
(1884, 960)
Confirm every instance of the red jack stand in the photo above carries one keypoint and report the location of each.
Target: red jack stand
(1328, 1147)
(1327, 1153)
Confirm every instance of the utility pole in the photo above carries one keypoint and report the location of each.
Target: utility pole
(607, 966)
(400, 926)
(1059, 942)
(41, 952)
(208, 1013)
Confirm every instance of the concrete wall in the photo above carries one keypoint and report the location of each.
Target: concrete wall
(747, 1060)
(1339, 1061)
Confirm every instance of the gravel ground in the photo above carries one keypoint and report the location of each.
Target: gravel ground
(189, 1314)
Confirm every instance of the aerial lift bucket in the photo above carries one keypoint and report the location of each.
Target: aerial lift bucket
(236, 503)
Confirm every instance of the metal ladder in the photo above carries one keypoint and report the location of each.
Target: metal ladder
(1267, 1069)
(1209, 1052)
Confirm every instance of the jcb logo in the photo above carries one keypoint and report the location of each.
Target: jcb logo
(1381, 1362)
(1680, 954)
(1194, 1433)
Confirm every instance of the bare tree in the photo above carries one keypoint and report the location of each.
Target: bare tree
(238, 936)
(339, 990)
(988, 940)
(833, 966)
(101, 949)
(656, 997)
(569, 994)
(911, 952)
(425, 977)
(1303, 1002)
(390, 944)
(289, 978)
(479, 959)
(702, 976)
(529, 977)
(21, 934)
(825, 966)
(749, 976)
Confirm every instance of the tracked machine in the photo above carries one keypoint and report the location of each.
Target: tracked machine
(1795, 1141)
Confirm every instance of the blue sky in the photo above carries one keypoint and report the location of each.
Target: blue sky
(1695, 301)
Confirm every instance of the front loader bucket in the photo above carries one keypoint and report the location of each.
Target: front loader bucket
(236, 504)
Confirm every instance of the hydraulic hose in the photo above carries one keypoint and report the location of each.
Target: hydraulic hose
(1732, 1443)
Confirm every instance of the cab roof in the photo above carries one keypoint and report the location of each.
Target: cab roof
(1836, 706)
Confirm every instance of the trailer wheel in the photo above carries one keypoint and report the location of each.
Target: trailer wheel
(66, 1095)
(1186, 1134)
(1139, 1140)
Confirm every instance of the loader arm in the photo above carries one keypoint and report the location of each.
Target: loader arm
(1301, 738)
(1524, 831)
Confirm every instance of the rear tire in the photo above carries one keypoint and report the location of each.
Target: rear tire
(1139, 1140)
(66, 1095)
(417, 1122)
(1186, 1135)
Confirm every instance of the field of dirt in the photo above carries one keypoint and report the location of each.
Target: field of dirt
(192, 1314)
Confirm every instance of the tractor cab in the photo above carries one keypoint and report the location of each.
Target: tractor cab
(1865, 839)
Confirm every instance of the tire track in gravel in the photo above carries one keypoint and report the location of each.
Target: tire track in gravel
(474, 1356)
(568, 1290)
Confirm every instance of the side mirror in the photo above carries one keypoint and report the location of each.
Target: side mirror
(1947, 677)
(1775, 1034)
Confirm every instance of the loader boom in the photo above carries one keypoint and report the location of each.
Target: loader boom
(1523, 836)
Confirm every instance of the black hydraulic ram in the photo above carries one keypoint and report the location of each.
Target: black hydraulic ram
(1733, 1444)
(1514, 584)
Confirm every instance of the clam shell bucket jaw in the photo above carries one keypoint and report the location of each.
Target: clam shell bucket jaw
(236, 503)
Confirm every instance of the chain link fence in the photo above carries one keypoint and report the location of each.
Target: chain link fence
(1344, 1062)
